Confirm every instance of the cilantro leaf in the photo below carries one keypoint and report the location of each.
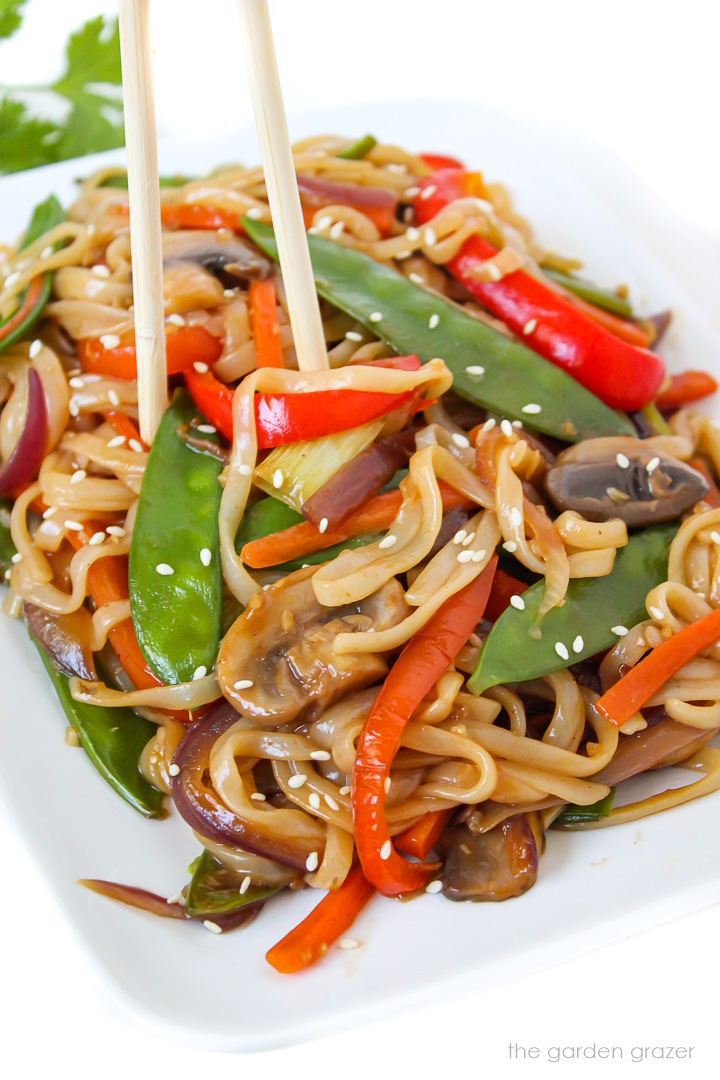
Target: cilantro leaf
(11, 16)
(25, 140)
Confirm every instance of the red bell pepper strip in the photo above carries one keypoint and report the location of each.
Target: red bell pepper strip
(420, 838)
(440, 161)
(193, 216)
(622, 701)
(183, 347)
(287, 418)
(419, 666)
(686, 387)
(622, 375)
(504, 587)
(262, 302)
(333, 916)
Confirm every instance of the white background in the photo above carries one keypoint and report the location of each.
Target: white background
(641, 78)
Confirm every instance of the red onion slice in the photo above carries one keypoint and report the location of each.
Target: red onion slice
(26, 458)
(65, 638)
(317, 192)
(158, 905)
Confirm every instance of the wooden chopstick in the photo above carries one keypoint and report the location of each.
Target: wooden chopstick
(282, 189)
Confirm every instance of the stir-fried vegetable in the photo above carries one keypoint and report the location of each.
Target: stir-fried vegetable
(488, 367)
(7, 547)
(175, 578)
(379, 204)
(215, 889)
(262, 301)
(686, 387)
(332, 917)
(519, 647)
(420, 838)
(113, 739)
(577, 815)
(609, 299)
(419, 666)
(626, 697)
(359, 149)
(45, 217)
(184, 347)
(622, 375)
(27, 455)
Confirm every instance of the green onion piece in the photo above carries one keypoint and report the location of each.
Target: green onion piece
(577, 815)
(359, 149)
(607, 299)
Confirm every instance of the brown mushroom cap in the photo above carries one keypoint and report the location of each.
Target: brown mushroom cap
(283, 645)
(494, 865)
(225, 257)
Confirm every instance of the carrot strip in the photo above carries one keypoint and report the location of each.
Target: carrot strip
(621, 328)
(420, 838)
(622, 701)
(32, 295)
(311, 939)
(686, 387)
(265, 326)
(713, 496)
(305, 539)
(122, 423)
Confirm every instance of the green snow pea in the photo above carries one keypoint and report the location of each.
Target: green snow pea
(46, 216)
(214, 888)
(607, 299)
(7, 548)
(592, 607)
(487, 367)
(113, 739)
(120, 181)
(177, 615)
(359, 149)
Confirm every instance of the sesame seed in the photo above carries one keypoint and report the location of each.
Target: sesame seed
(417, 279)
(311, 863)
(96, 538)
(243, 684)
(206, 429)
(433, 321)
(529, 326)
(561, 650)
(115, 530)
(113, 397)
(578, 644)
(73, 526)
(510, 546)
(517, 423)
(393, 166)
(428, 192)
(411, 193)
(245, 470)
(322, 527)
(257, 796)
(412, 234)
(352, 335)
(11, 279)
(205, 556)
(90, 230)
(17, 557)
(388, 784)
(174, 770)
(715, 537)
(430, 238)
(460, 440)
(494, 271)
(245, 885)
(478, 556)
(345, 790)
(517, 602)
(199, 672)
(135, 445)
(76, 383)
(331, 802)
(175, 898)
(100, 270)
(164, 569)
(434, 886)
(109, 341)
(324, 223)
(337, 230)
(506, 428)
(622, 461)
(49, 512)
(254, 213)
(475, 371)
(515, 517)
(78, 477)
(319, 755)
(459, 536)
(388, 541)
(224, 233)
(297, 780)
(489, 424)
(35, 348)
(7, 574)
(386, 850)
(532, 409)
(652, 465)
(73, 407)
(117, 440)
(656, 613)
(314, 800)
(621, 631)
(464, 556)
(277, 479)
(348, 943)
(468, 539)
(176, 320)
(212, 926)
(200, 367)
(376, 316)
(229, 294)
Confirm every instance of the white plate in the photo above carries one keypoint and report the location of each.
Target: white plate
(218, 991)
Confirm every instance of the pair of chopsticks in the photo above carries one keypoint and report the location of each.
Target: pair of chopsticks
(144, 199)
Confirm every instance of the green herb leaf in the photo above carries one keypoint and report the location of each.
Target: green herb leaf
(23, 138)
(11, 16)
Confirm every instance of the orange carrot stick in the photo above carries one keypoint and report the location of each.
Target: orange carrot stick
(420, 838)
(713, 496)
(32, 295)
(304, 539)
(622, 701)
(621, 328)
(265, 326)
(122, 423)
(335, 914)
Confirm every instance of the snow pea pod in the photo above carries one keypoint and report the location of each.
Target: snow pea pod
(582, 627)
(177, 610)
(488, 368)
(215, 889)
(113, 739)
(46, 216)
(607, 299)
(7, 548)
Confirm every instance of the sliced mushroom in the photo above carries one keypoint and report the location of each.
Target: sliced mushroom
(276, 663)
(225, 257)
(494, 865)
(623, 478)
